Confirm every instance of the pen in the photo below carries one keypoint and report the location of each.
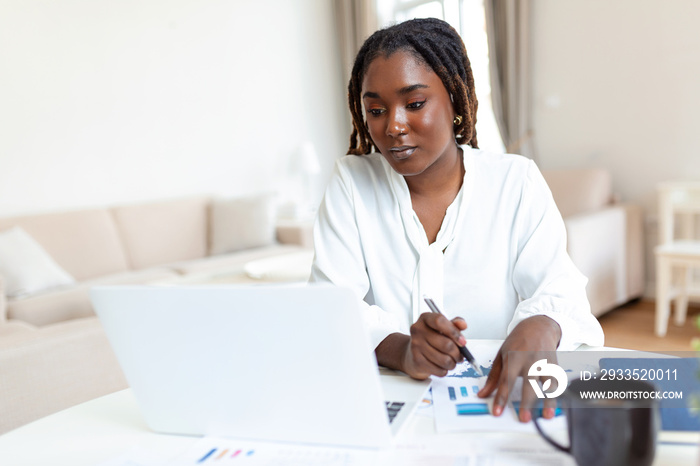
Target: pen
(462, 349)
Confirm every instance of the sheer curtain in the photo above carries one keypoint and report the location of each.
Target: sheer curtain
(508, 29)
(356, 20)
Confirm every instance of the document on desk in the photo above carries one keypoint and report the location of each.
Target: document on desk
(217, 451)
(457, 408)
(478, 450)
(221, 452)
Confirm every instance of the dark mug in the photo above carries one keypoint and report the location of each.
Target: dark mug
(609, 432)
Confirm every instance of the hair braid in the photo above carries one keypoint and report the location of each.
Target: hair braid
(435, 43)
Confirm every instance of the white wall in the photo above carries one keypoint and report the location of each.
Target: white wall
(110, 102)
(617, 85)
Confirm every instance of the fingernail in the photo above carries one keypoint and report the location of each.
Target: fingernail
(462, 341)
(525, 416)
(548, 413)
(497, 410)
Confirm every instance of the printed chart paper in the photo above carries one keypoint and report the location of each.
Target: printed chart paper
(457, 408)
(212, 451)
(222, 452)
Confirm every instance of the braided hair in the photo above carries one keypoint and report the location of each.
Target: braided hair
(433, 42)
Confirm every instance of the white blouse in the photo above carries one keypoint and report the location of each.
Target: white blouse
(499, 257)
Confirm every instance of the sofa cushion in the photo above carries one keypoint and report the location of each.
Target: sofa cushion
(84, 243)
(579, 190)
(161, 232)
(15, 329)
(74, 303)
(136, 277)
(26, 267)
(241, 223)
(232, 262)
(51, 307)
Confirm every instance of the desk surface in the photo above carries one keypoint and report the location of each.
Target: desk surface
(101, 429)
(104, 428)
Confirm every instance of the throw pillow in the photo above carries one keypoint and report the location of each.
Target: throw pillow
(241, 223)
(3, 300)
(26, 267)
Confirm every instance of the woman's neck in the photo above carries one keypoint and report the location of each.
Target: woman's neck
(443, 179)
(434, 190)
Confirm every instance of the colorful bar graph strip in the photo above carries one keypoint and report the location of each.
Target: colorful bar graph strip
(236, 453)
(205, 457)
(466, 409)
(451, 391)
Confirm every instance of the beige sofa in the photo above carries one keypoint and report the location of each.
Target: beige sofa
(53, 352)
(605, 237)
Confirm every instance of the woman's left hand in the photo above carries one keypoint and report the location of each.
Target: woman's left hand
(526, 344)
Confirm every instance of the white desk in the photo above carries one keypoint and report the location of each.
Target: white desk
(106, 427)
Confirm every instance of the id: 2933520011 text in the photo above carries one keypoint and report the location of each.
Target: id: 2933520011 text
(630, 374)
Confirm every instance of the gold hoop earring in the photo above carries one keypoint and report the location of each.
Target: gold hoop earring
(458, 120)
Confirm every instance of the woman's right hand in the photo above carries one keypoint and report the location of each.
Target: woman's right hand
(431, 348)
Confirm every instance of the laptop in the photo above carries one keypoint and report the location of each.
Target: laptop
(271, 363)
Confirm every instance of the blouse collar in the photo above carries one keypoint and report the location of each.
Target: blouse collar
(428, 276)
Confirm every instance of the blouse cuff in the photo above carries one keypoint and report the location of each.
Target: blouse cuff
(379, 324)
(573, 333)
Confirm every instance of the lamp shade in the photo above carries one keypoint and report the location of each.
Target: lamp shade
(307, 159)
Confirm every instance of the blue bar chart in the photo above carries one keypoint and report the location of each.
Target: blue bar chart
(468, 405)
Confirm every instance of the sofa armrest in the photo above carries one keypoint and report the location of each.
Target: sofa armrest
(298, 232)
(44, 370)
(597, 246)
(3, 301)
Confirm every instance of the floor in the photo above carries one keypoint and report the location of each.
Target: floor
(632, 326)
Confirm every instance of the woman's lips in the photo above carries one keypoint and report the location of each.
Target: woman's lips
(402, 152)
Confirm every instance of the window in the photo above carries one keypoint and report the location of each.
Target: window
(468, 18)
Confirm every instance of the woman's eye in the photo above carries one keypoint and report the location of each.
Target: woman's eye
(376, 111)
(416, 104)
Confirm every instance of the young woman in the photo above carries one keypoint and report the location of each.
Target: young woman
(429, 214)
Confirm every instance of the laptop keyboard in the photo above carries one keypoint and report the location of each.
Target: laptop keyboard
(393, 408)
